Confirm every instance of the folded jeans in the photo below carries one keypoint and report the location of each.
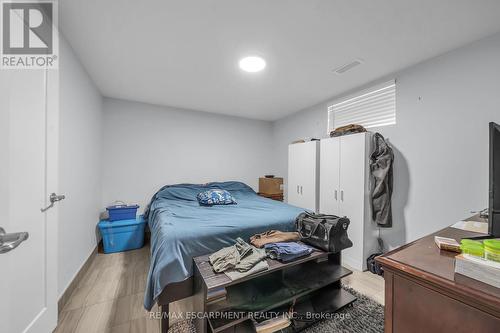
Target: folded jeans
(288, 251)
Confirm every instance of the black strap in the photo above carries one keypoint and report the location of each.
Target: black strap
(300, 224)
(322, 216)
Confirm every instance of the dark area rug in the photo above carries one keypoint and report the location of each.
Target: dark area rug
(183, 326)
(364, 315)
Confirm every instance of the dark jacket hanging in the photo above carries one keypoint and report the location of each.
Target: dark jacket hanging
(381, 162)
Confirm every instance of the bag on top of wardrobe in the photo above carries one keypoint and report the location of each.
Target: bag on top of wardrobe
(347, 129)
(326, 232)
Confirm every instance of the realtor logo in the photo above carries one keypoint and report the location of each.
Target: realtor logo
(29, 36)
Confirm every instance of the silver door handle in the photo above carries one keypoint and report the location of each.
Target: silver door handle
(335, 194)
(53, 199)
(9, 242)
(342, 195)
(297, 189)
(300, 189)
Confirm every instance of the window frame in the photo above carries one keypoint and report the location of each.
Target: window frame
(359, 95)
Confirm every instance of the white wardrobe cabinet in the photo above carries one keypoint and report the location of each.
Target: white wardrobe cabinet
(303, 175)
(329, 189)
(344, 190)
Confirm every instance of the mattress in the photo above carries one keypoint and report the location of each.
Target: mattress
(182, 229)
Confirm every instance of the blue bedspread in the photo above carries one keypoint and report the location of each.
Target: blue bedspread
(182, 229)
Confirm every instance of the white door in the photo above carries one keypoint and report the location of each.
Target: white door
(294, 173)
(28, 172)
(352, 190)
(308, 180)
(302, 164)
(329, 184)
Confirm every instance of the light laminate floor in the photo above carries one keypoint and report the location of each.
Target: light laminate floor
(110, 297)
(367, 284)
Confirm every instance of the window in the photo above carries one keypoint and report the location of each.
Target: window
(371, 108)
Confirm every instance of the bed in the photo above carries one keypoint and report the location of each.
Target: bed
(182, 229)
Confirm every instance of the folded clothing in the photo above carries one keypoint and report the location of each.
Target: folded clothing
(228, 257)
(259, 267)
(273, 236)
(240, 257)
(250, 260)
(286, 252)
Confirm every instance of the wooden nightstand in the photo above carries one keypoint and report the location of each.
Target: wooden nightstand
(271, 187)
(278, 196)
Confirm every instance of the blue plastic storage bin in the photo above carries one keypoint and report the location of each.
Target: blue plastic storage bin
(123, 235)
(122, 212)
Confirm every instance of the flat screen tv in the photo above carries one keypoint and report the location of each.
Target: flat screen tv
(494, 204)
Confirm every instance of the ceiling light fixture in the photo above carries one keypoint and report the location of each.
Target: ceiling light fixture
(252, 64)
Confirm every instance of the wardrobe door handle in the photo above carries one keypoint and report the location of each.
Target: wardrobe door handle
(335, 194)
(300, 189)
(342, 195)
(297, 189)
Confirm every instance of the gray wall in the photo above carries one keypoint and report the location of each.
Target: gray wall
(80, 139)
(441, 166)
(440, 139)
(147, 146)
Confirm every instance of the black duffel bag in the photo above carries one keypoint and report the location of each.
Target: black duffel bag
(326, 232)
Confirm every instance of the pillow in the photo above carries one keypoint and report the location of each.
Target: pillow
(215, 197)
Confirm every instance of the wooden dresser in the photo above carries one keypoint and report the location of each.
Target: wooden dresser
(422, 295)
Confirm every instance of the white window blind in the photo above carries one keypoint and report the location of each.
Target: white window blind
(372, 108)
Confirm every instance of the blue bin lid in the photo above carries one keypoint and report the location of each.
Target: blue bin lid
(122, 207)
(121, 223)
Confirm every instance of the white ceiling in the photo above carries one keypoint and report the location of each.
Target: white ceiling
(185, 53)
